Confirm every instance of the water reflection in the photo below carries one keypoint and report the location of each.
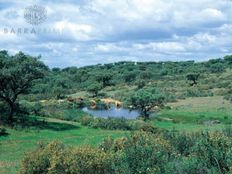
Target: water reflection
(113, 112)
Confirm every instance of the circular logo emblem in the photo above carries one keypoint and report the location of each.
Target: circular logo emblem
(35, 14)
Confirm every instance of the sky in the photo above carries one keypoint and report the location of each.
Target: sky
(106, 31)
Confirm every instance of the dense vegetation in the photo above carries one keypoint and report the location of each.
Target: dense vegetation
(129, 82)
(141, 152)
(100, 79)
(37, 102)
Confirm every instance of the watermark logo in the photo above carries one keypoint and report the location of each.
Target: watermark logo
(35, 14)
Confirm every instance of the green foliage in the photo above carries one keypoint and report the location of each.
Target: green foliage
(64, 111)
(129, 77)
(145, 153)
(195, 92)
(215, 150)
(17, 74)
(42, 159)
(169, 76)
(104, 78)
(228, 97)
(144, 126)
(192, 78)
(111, 123)
(139, 152)
(94, 88)
(140, 84)
(217, 68)
(118, 124)
(55, 158)
(86, 120)
(32, 108)
(145, 100)
(228, 59)
(182, 142)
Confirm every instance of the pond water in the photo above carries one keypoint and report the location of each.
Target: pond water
(113, 112)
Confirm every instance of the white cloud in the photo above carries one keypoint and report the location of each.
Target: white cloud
(78, 31)
(113, 30)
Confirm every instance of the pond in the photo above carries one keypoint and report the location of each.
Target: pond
(113, 112)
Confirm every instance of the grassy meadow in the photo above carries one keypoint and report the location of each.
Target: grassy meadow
(193, 114)
(18, 142)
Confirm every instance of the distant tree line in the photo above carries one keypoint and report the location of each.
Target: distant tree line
(23, 74)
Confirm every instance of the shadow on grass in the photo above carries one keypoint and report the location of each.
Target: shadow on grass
(55, 126)
(3, 134)
(28, 123)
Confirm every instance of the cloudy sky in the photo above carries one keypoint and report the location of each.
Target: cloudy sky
(103, 31)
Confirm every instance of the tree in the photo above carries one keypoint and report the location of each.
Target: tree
(140, 84)
(228, 59)
(59, 92)
(94, 88)
(104, 78)
(217, 68)
(129, 76)
(17, 74)
(146, 75)
(193, 78)
(145, 100)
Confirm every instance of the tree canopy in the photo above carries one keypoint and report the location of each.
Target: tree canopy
(17, 74)
(145, 100)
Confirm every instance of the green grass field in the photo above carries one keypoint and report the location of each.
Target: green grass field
(13, 146)
(195, 114)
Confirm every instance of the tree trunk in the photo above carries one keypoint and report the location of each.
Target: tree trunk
(145, 115)
(11, 113)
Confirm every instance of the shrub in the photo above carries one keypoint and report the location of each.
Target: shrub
(85, 160)
(215, 150)
(194, 92)
(40, 160)
(118, 124)
(139, 152)
(64, 111)
(145, 153)
(182, 142)
(86, 120)
(144, 126)
(54, 158)
(110, 123)
(188, 165)
(228, 97)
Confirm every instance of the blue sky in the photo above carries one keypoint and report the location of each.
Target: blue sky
(104, 31)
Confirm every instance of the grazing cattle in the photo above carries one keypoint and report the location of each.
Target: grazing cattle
(117, 103)
(75, 100)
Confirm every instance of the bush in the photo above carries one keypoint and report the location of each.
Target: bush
(228, 97)
(118, 124)
(143, 126)
(215, 150)
(41, 160)
(86, 120)
(188, 165)
(194, 92)
(182, 142)
(110, 123)
(144, 153)
(54, 158)
(139, 152)
(64, 111)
